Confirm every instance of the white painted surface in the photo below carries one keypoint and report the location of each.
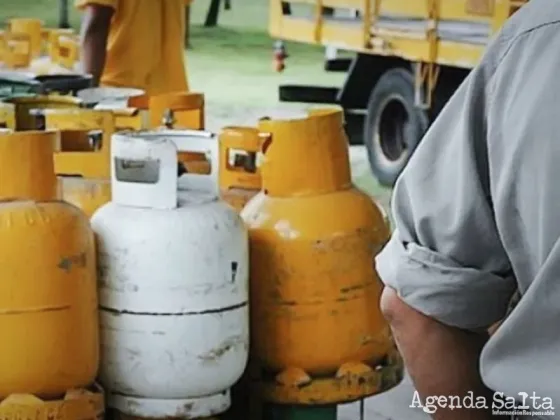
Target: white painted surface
(113, 97)
(331, 52)
(173, 290)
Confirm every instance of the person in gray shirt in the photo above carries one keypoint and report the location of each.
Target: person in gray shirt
(477, 214)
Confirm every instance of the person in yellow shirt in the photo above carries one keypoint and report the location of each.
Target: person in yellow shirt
(135, 43)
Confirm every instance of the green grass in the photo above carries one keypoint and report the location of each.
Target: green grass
(231, 64)
(235, 66)
(241, 51)
(47, 10)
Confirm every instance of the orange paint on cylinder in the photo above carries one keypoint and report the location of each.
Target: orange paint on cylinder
(48, 292)
(314, 289)
(240, 180)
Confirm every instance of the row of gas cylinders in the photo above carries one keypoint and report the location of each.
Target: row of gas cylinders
(27, 44)
(82, 158)
(171, 296)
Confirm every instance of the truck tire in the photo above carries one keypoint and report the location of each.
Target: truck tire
(393, 125)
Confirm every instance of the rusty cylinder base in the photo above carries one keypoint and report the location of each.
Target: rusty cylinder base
(352, 382)
(84, 404)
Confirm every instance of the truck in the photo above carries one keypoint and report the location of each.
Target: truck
(406, 59)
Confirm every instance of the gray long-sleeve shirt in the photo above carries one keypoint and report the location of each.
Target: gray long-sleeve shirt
(477, 209)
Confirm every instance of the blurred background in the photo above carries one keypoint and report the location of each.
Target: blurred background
(231, 62)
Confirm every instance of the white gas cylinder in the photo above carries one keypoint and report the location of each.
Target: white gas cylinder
(173, 274)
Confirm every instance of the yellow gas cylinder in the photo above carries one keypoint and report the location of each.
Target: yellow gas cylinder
(88, 158)
(116, 100)
(66, 51)
(27, 119)
(34, 152)
(86, 194)
(317, 330)
(56, 58)
(141, 101)
(83, 163)
(83, 167)
(181, 110)
(239, 174)
(177, 110)
(50, 39)
(33, 28)
(49, 330)
(130, 119)
(17, 51)
(7, 116)
(2, 46)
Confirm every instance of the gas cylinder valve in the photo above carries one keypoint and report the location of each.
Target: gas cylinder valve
(280, 56)
(168, 118)
(39, 115)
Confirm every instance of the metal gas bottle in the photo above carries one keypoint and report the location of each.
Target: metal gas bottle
(240, 177)
(85, 140)
(7, 116)
(317, 331)
(35, 181)
(51, 38)
(173, 282)
(115, 99)
(30, 27)
(183, 110)
(64, 51)
(118, 101)
(86, 194)
(23, 105)
(16, 51)
(48, 296)
(82, 163)
(179, 110)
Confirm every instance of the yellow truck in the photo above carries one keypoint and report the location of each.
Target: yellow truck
(408, 57)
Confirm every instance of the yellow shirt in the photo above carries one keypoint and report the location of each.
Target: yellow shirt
(145, 49)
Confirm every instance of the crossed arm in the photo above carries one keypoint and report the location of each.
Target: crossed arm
(441, 360)
(445, 271)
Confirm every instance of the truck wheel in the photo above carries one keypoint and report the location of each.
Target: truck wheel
(393, 126)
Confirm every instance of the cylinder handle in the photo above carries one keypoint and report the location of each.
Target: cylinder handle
(245, 172)
(144, 167)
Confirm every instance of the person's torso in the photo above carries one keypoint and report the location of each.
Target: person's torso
(523, 135)
(146, 46)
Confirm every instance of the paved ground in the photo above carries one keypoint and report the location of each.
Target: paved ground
(392, 405)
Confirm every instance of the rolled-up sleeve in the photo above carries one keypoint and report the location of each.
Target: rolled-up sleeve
(445, 258)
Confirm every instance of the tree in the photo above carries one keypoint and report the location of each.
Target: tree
(63, 21)
(213, 13)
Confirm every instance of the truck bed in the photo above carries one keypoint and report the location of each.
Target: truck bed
(399, 26)
(472, 32)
